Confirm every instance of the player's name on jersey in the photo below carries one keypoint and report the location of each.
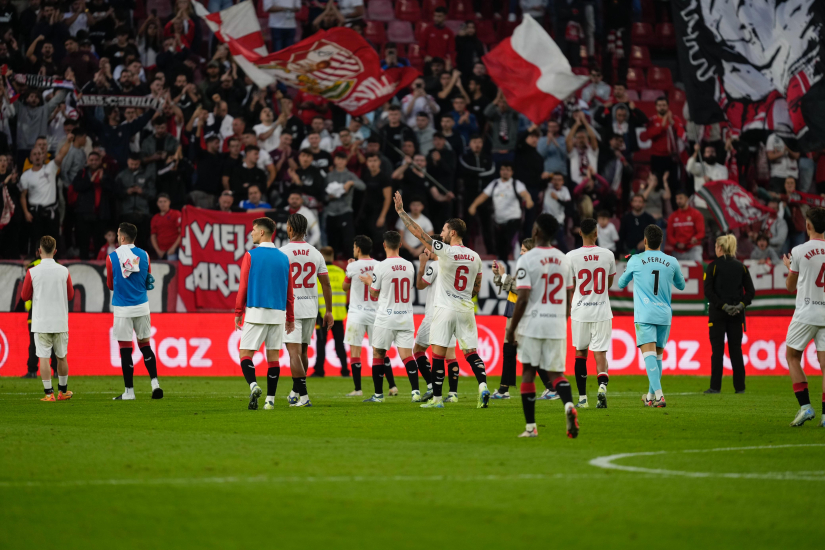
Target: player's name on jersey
(655, 260)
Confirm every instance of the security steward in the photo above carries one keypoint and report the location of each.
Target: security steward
(728, 290)
(339, 313)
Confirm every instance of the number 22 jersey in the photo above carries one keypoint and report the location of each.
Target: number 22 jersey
(590, 267)
(546, 272)
(305, 264)
(394, 279)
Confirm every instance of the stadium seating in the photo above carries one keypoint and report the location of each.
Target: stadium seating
(677, 95)
(651, 95)
(647, 107)
(454, 25)
(407, 10)
(461, 10)
(401, 48)
(420, 28)
(659, 77)
(642, 34)
(635, 78)
(486, 32)
(640, 57)
(665, 35)
(400, 32)
(375, 33)
(414, 56)
(633, 95)
(380, 10)
(428, 8)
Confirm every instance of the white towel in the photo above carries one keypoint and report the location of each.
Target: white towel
(129, 262)
(335, 190)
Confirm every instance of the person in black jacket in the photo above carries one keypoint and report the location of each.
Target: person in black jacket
(93, 209)
(728, 290)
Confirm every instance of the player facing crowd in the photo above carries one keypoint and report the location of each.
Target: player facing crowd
(806, 277)
(264, 308)
(49, 287)
(459, 281)
(652, 273)
(543, 276)
(390, 283)
(592, 271)
(361, 311)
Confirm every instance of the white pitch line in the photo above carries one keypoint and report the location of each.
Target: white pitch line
(608, 463)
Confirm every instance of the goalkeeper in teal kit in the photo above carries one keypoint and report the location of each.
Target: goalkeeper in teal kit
(652, 273)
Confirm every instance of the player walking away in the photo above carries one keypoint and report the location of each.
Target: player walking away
(806, 277)
(49, 286)
(264, 309)
(592, 269)
(454, 314)
(543, 274)
(305, 264)
(391, 284)
(130, 302)
(361, 313)
(652, 273)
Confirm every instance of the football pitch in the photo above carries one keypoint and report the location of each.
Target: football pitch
(199, 470)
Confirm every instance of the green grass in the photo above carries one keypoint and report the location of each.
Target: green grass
(198, 470)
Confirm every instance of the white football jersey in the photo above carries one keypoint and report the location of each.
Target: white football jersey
(361, 306)
(808, 260)
(590, 266)
(430, 276)
(395, 279)
(459, 267)
(305, 264)
(546, 272)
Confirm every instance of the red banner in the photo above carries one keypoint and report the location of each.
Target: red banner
(206, 344)
(732, 206)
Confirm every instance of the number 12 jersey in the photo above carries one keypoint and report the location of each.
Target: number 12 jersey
(546, 272)
(590, 267)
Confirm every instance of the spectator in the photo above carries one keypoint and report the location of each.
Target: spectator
(507, 194)
(582, 148)
(622, 120)
(226, 203)
(657, 199)
(685, 231)
(84, 64)
(355, 158)
(449, 87)
(704, 171)
(264, 162)
(593, 194)
(763, 252)
(38, 197)
(255, 201)
(109, 245)
(475, 171)
(284, 158)
(531, 173)
(312, 180)
(150, 41)
(478, 101)
(553, 150)
(247, 173)
(413, 175)
(616, 169)
(339, 189)
(395, 133)
(783, 162)
(114, 135)
(166, 230)
(295, 205)
(608, 236)
(44, 63)
(209, 181)
(268, 132)
(231, 160)
(558, 203)
(419, 101)
(424, 133)
(465, 122)
(597, 92)
(238, 129)
(454, 141)
(118, 52)
(468, 47)
(33, 121)
(376, 200)
(135, 187)
(158, 147)
(666, 132)
(12, 229)
(438, 40)
(502, 129)
(391, 59)
(632, 228)
(325, 139)
(74, 156)
(411, 247)
(282, 22)
(441, 165)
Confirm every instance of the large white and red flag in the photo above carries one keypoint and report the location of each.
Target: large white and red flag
(531, 71)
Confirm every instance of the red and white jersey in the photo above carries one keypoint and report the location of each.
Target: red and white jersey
(430, 277)
(590, 266)
(305, 264)
(361, 306)
(49, 286)
(394, 278)
(458, 266)
(546, 272)
(808, 260)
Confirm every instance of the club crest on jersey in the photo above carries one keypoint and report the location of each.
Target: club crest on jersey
(807, 301)
(438, 245)
(374, 278)
(522, 273)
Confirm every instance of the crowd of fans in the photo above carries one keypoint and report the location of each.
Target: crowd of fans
(623, 150)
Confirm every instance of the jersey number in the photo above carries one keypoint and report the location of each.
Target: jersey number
(552, 279)
(655, 282)
(367, 296)
(598, 276)
(309, 279)
(820, 279)
(461, 277)
(402, 290)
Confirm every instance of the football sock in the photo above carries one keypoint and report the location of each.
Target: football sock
(652, 371)
(562, 387)
(508, 368)
(47, 387)
(424, 367)
(603, 379)
(452, 372)
(150, 361)
(355, 367)
(438, 375)
(273, 374)
(388, 373)
(823, 403)
(378, 376)
(126, 366)
(63, 383)
(528, 401)
(801, 391)
(580, 369)
(661, 367)
(299, 385)
(478, 367)
(545, 379)
(412, 372)
(248, 369)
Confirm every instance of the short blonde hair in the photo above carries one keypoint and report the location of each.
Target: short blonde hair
(728, 244)
(47, 244)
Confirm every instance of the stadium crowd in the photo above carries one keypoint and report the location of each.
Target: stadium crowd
(623, 149)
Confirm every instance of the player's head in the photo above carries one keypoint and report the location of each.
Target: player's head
(126, 233)
(262, 230)
(653, 237)
(589, 229)
(361, 246)
(816, 222)
(454, 228)
(527, 245)
(726, 245)
(47, 246)
(328, 253)
(545, 229)
(296, 226)
(392, 242)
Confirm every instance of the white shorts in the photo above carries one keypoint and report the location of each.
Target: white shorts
(44, 342)
(800, 334)
(592, 335)
(254, 335)
(354, 336)
(449, 325)
(125, 326)
(302, 333)
(382, 338)
(545, 353)
(422, 337)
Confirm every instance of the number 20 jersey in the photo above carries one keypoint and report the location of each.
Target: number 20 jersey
(305, 264)
(590, 267)
(546, 272)
(459, 266)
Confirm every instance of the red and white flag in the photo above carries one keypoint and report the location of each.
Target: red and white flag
(732, 206)
(531, 71)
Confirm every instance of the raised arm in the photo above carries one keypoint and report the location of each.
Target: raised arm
(420, 283)
(412, 227)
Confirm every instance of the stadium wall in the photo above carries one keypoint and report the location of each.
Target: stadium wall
(205, 344)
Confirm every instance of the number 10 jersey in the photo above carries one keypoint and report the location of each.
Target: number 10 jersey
(590, 267)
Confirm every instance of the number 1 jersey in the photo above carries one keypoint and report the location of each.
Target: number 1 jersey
(590, 266)
(459, 267)
(546, 272)
(394, 278)
(305, 264)
(652, 273)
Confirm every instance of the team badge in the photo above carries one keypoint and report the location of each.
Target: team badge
(522, 273)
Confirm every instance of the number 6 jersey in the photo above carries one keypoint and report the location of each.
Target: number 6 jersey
(305, 264)
(459, 267)
(590, 267)
(394, 278)
(546, 272)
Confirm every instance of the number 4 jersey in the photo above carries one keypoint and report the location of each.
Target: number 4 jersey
(459, 268)
(394, 279)
(305, 264)
(590, 266)
(546, 272)
(808, 260)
